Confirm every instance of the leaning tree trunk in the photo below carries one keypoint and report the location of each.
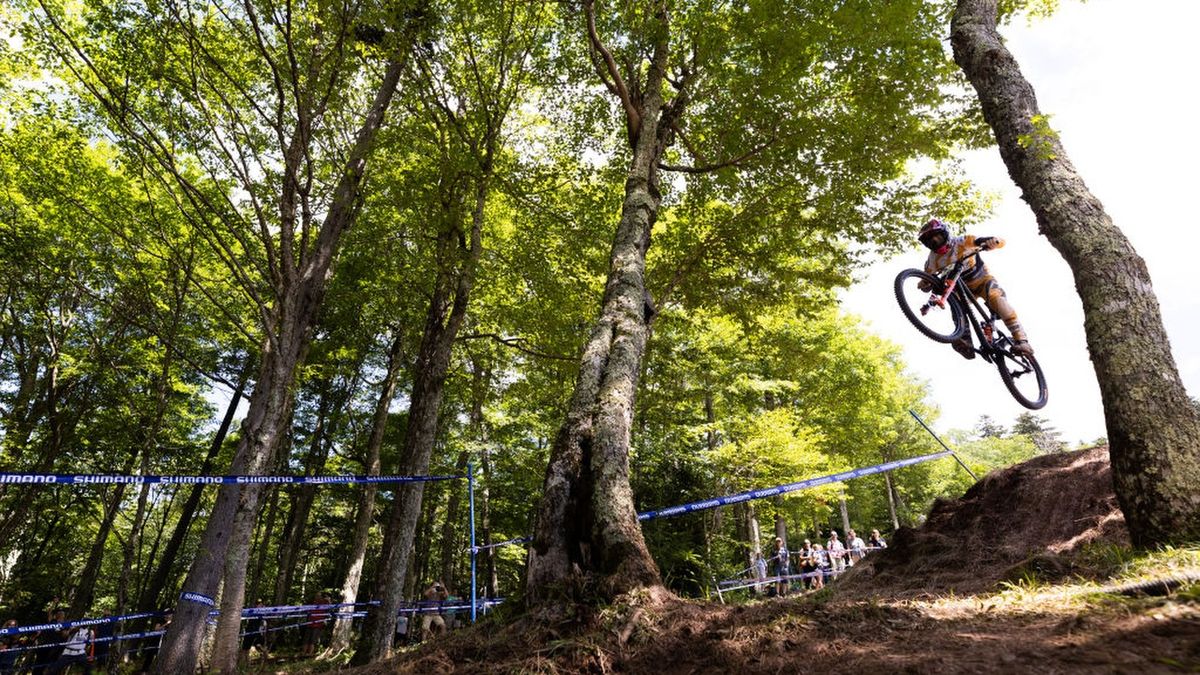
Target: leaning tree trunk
(302, 501)
(1153, 427)
(85, 589)
(365, 512)
(150, 596)
(447, 310)
(586, 521)
(490, 580)
(450, 527)
(891, 499)
(270, 404)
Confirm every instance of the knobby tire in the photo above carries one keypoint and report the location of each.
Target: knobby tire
(957, 313)
(1002, 364)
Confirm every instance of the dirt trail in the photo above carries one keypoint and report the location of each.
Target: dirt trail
(906, 609)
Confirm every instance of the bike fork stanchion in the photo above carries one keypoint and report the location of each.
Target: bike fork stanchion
(939, 440)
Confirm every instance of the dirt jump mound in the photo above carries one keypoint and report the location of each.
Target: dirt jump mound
(1024, 518)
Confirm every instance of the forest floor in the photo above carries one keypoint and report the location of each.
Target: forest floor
(1020, 574)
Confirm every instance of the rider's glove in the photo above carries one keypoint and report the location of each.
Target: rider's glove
(986, 243)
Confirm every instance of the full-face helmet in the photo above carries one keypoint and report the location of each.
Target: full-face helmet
(935, 235)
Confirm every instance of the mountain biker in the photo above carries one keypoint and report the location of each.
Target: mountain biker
(945, 250)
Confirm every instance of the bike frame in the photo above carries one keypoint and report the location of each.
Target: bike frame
(982, 322)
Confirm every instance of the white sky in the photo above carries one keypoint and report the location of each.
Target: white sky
(1120, 80)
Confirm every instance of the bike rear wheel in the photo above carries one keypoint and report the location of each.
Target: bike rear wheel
(943, 324)
(1023, 377)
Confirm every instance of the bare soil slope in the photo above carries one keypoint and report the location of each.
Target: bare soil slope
(1026, 518)
(893, 612)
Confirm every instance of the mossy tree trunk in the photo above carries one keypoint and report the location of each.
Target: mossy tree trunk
(1153, 427)
(587, 533)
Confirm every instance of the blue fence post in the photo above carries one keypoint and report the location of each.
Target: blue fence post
(471, 501)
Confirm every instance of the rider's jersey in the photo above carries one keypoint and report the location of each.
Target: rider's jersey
(957, 248)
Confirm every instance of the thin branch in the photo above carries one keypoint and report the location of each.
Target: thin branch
(514, 343)
(617, 86)
(709, 168)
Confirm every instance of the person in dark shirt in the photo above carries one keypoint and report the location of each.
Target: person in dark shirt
(255, 635)
(8, 646)
(100, 648)
(51, 640)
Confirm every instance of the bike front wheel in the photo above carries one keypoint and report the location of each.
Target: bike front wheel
(1024, 379)
(941, 323)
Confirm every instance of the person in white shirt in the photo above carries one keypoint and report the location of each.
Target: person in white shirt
(837, 553)
(75, 652)
(858, 547)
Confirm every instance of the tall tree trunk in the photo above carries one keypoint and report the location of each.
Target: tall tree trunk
(132, 544)
(845, 514)
(423, 542)
(150, 596)
(891, 497)
(85, 589)
(586, 521)
(485, 525)
(288, 338)
(780, 521)
(264, 546)
(748, 522)
(301, 503)
(451, 527)
(447, 310)
(164, 515)
(1153, 427)
(365, 512)
(233, 583)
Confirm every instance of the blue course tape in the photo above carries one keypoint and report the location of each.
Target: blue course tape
(277, 612)
(106, 479)
(95, 640)
(790, 487)
(65, 625)
(253, 612)
(764, 492)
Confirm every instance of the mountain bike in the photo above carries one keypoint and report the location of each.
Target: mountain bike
(945, 310)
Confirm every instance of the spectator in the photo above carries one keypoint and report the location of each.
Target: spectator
(858, 547)
(451, 616)
(876, 541)
(760, 572)
(8, 646)
(431, 616)
(780, 566)
(314, 628)
(401, 630)
(49, 641)
(807, 565)
(75, 651)
(103, 641)
(837, 553)
(256, 636)
(821, 560)
(156, 642)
